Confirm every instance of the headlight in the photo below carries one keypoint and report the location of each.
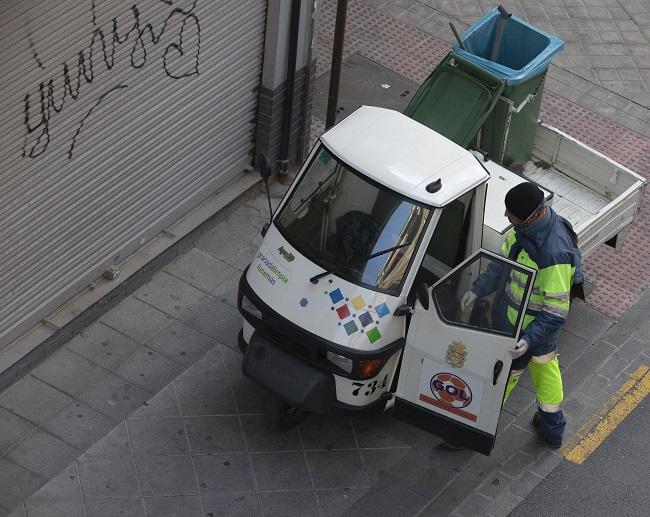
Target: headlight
(344, 363)
(248, 306)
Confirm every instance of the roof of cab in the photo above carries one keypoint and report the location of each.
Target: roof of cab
(404, 155)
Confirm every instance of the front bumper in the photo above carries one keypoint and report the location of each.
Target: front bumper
(296, 341)
(293, 380)
(317, 394)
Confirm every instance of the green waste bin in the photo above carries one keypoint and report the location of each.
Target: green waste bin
(508, 135)
(522, 60)
(456, 99)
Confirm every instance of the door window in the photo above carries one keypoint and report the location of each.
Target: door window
(449, 239)
(455, 363)
(504, 286)
(448, 244)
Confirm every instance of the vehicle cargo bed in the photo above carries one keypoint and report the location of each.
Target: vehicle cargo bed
(597, 195)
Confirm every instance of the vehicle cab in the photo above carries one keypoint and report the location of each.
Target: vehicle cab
(382, 205)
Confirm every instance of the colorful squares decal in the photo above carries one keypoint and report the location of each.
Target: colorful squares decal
(382, 310)
(350, 327)
(373, 334)
(366, 314)
(343, 311)
(336, 296)
(365, 319)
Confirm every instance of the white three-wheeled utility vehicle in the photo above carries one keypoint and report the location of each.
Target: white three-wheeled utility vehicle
(353, 299)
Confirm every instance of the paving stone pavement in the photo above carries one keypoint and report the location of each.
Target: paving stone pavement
(605, 66)
(145, 412)
(150, 415)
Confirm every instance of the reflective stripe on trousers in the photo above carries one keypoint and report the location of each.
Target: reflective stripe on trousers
(547, 381)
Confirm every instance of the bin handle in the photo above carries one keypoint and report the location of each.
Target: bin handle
(517, 109)
(526, 100)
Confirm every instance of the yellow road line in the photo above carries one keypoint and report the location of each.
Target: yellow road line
(627, 386)
(621, 404)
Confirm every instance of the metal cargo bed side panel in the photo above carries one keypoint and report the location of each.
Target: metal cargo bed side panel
(598, 195)
(606, 225)
(118, 118)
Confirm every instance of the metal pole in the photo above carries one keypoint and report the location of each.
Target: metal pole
(337, 58)
(306, 87)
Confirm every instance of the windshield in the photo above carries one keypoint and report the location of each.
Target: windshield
(338, 219)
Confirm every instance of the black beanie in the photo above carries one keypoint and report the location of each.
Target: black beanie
(523, 199)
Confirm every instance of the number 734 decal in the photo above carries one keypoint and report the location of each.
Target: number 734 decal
(368, 388)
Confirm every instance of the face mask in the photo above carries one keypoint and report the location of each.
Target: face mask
(531, 218)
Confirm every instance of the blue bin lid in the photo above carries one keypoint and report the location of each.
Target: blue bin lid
(527, 49)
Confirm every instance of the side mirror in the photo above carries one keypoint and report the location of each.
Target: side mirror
(422, 295)
(402, 310)
(264, 166)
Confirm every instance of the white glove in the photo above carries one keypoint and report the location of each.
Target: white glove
(519, 349)
(467, 301)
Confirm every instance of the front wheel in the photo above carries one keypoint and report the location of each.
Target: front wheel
(285, 416)
(241, 342)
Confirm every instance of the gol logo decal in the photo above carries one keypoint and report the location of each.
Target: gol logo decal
(451, 390)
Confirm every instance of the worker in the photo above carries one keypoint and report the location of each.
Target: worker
(544, 241)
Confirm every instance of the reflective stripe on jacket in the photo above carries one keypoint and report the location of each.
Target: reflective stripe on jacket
(547, 247)
(551, 294)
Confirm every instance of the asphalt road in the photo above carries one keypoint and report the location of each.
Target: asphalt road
(614, 480)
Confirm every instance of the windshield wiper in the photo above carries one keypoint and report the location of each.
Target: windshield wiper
(314, 279)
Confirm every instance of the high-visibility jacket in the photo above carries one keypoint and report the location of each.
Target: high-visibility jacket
(547, 247)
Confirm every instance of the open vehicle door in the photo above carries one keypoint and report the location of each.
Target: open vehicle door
(455, 364)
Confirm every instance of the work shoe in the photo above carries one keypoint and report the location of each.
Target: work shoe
(537, 424)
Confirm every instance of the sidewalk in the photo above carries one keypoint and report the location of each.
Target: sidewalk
(605, 66)
(146, 412)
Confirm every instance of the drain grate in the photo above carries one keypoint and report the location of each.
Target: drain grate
(363, 81)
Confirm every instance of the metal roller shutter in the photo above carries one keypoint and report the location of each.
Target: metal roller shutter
(117, 117)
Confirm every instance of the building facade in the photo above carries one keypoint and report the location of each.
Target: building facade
(120, 117)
